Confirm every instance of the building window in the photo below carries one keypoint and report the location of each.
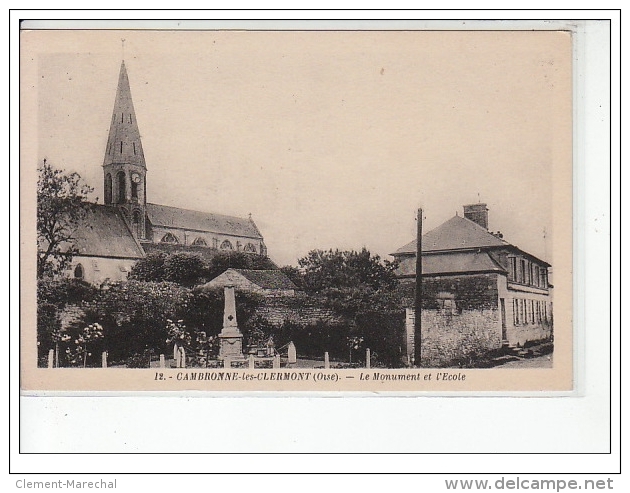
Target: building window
(78, 272)
(137, 226)
(199, 242)
(169, 238)
(108, 188)
(121, 182)
(226, 245)
(250, 248)
(511, 268)
(515, 312)
(543, 278)
(446, 303)
(134, 147)
(215, 243)
(520, 274)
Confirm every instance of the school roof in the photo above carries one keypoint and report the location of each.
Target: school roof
(457, 233)
(451, 263)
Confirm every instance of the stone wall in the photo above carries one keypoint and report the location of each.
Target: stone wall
(453, 339)
(460, 317)
(469, 291)
(298, 309)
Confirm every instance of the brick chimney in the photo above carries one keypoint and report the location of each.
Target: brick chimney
(477, 213)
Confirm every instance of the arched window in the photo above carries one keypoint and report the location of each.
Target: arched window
(137, 224)
(226, 245)
(78, 272)
(108, 188)
(122, 187)
(250, 248)
(169, 238)
(200, 242)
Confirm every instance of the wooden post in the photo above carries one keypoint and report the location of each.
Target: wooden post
(410, 325)
(183, 357)
(162, 361)
(51, 358)
(367, 358)
(104, 359)
(326, 361)
(176, 355)
(252, 363)
(418, 300)
(276, 361)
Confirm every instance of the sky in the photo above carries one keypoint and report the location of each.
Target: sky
(329, 139)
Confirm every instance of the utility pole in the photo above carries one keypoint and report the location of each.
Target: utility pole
(418, 304)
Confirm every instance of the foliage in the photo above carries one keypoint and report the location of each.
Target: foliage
(336, 269)
(191, 269)
(224, 260)
(142, 360)
(150, 268)
(134, 315)
(61, 206)
(177, 333)
(53, 297)
(187, 269)
(77, 351)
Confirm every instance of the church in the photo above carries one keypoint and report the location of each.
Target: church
(114, 235)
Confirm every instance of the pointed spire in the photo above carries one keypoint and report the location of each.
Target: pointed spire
(124, 145)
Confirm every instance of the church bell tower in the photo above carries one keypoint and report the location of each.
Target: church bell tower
(124, 167)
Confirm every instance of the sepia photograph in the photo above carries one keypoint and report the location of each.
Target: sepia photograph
(296, 210)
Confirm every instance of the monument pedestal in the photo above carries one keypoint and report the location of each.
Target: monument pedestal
(231, 345)
(230, 338)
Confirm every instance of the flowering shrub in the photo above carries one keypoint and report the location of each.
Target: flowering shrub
(177, 333)
(78, 351)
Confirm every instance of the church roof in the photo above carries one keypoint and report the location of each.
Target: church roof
(457, 233)
(104, 233)
(174, 217)
(123, 143)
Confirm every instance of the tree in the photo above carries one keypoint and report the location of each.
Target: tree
(361, 288)
(149, 268)
(61, 205)
(224, 260)
(186, 269)
(336, 269)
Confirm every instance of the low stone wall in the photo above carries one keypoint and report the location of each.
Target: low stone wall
(449, 339)
(298, 309)
(522, 334)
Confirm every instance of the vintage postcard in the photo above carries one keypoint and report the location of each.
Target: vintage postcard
(371, 211)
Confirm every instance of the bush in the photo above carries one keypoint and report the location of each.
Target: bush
(150, 268)
(139, 360)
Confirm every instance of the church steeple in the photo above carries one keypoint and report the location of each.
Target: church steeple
(123, 144)
(124, 167)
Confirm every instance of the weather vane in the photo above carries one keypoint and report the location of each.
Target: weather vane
(123, 48)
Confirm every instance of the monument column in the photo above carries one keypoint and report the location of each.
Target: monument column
(230, 337)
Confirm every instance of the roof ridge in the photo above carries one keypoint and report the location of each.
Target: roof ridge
(198, 211)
